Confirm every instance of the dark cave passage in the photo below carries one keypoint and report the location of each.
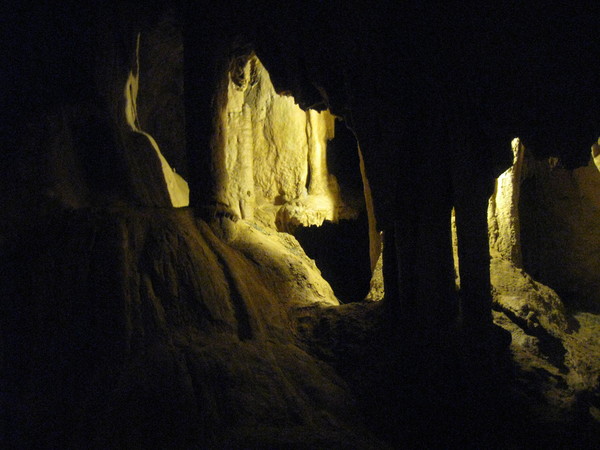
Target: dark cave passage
(341, 252)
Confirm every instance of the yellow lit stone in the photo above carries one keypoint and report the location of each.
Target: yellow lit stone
(270, 156)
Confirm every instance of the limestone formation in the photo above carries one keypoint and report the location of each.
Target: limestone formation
(596, 154)
(130, 320)
(560, 215)
(546, 334)
(503, 210)
(270, 155)
(514, 290)
(176, 185)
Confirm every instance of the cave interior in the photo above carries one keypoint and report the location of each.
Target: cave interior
(300, 225)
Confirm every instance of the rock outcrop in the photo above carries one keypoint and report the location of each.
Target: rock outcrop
(555, 208)
(143, 328)
(270, 156)
(560, 214)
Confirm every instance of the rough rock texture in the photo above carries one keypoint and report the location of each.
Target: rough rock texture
(553, 346)
(534, 303)
(560, 215)
(287, 269)
(271, 169)
(177, 187)
(513, 289)
(126, 323)
(161, 89)
(270, 156)
(503, 210)
(148, 312)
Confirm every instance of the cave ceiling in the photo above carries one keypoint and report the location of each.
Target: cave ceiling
(522, 69)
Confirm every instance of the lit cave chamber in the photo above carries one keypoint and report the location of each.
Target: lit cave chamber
(316, 225)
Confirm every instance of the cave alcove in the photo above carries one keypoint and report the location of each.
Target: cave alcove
(341, 250)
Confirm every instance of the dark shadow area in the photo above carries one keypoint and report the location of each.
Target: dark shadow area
(341, 252)
(550, 346)
(575, 303)
(549, 241)
(574, 325)
(343, 162)
(439, 390)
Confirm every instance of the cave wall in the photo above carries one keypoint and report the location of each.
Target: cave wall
(81, 93)
(271, 164)
(503, 211)
(560, 222)
(270, 156)
(430, 123)
(162, 89)
(434, 121)
(543, 221)
(177, 187)
(514, 290)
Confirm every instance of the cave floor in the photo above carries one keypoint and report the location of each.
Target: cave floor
(298, 367)
(439, 392)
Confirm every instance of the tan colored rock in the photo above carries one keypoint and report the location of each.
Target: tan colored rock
(560, 225)
(557, 212)
(455, 248)
(503, 210)
(516, 291)
(270, 156)
(596, 154)
(281, 261)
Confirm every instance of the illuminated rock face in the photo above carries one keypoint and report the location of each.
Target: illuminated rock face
(560, 227)
(596, 154)
(270, 156)
(557, 217)
(543, 222)
(503, 210)
(271, 179)
(286, 268)
(513, 289)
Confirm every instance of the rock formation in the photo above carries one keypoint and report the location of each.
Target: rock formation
(196, 200)
(549, 332)
(270, 156)
(561, 205)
